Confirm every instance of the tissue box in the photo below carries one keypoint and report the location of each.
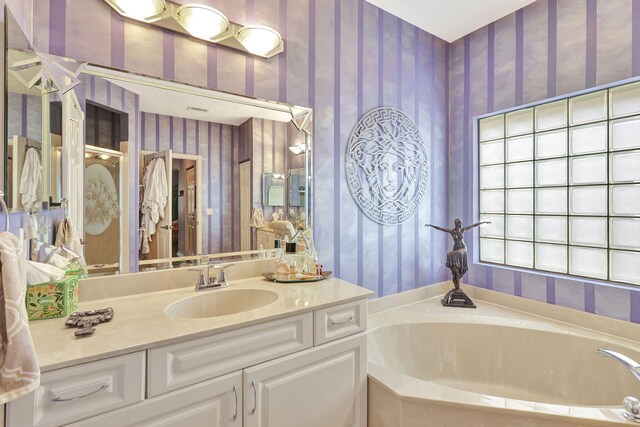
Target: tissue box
(52, 299)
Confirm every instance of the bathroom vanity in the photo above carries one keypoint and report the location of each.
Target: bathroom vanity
(299, 359)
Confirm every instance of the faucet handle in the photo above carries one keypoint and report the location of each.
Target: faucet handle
(201, 280)
(222, 276)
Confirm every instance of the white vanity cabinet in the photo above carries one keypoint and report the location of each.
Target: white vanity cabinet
(300, 370)
(321, 387)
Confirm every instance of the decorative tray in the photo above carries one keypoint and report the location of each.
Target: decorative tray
(297, 278)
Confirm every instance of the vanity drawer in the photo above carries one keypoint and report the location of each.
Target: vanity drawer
(179, 365)
(71, 394)
(340, 321)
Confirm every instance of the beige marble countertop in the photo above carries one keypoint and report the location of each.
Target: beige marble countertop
(140, 323)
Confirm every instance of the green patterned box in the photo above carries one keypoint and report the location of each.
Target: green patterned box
(52, 299)
(76, 270)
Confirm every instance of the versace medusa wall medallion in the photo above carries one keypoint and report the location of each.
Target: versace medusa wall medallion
(386, 166)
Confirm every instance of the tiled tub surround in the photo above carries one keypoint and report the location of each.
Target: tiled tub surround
(508, 362)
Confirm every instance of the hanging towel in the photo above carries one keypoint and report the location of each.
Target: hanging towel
(30, 179)
(67, 236)
(257, 218)
(19, 371)
(32, 231)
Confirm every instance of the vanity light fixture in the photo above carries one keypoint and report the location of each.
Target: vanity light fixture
(204, 23)
(141, 10)
(104, 156)
(258, 39)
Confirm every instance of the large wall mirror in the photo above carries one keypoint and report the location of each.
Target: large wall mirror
(176, 174)
(154, 173)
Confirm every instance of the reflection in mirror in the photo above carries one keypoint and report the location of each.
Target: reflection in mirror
(189, 179)
(25, 174)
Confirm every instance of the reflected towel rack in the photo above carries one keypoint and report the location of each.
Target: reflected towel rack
(6, 211)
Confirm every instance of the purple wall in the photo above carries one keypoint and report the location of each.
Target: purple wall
(549, 48)
(345, 57)
(369, 59)
(218, 145)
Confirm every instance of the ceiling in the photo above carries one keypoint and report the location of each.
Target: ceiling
(450, 19)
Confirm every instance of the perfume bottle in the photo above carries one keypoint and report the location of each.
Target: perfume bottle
(291, 257)
(282, 266)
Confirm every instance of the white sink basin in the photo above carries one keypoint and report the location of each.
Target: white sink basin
(216, 303)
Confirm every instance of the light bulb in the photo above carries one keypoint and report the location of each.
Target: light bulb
(258, 39)
(201, 21)
(139, 9)
(104, 156)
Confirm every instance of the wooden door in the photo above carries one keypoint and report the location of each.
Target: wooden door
(320, 387)
(245, 206)
(190, 201)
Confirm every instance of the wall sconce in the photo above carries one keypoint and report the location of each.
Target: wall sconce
(204, 23)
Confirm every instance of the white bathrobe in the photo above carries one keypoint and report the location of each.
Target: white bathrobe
(156, 192)
(30, 179)
(19, 370)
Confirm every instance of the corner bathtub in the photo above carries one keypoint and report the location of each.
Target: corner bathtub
(436, 366)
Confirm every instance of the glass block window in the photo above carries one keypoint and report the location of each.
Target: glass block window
(560, 183)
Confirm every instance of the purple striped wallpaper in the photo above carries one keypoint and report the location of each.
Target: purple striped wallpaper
(345, 57)
(549, 48)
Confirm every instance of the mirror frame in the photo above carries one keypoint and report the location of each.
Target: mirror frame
(300, 117)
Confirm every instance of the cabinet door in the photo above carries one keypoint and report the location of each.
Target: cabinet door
(320, 387)
(214, 403)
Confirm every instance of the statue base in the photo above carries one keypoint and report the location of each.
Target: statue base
(457, 298)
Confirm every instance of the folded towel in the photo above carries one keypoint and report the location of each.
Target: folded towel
(19, 371)
(257, 218)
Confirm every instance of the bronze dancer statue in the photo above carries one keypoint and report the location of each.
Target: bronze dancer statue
(457, 262)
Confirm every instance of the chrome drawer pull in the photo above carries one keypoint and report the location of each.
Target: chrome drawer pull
(343, 322)
(255, 398)
(71, 399)
(235, 414)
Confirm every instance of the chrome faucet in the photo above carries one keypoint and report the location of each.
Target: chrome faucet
(221, 280)
(631, 405)
(208, 282)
